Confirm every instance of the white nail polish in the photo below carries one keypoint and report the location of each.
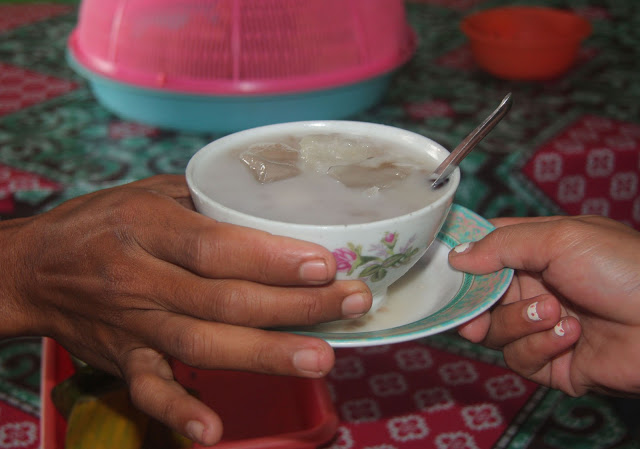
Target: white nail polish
(532, 312)
(559, 330)
(461, 247)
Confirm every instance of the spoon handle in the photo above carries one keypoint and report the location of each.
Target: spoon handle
(447, 167)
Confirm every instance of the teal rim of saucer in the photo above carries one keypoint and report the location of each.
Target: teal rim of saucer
(476, 294)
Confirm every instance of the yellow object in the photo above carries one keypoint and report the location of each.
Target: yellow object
(109, 421)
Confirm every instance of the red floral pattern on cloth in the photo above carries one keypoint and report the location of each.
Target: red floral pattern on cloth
(459, 58)
(13, 16)
(20, 88)
(429, 109)
(18, 430)
(592, 167)
(410, 395)
(122, 130)
(13, 180)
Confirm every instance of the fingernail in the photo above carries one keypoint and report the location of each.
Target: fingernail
(559, 329)
(314, 271)
(306, 360)
(532, 312)
(354, 305)
(195, 430)
(463, 247)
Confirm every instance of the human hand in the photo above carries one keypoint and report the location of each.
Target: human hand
(128, 277)
(571, 317)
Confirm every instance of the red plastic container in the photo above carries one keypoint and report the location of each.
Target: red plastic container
(525, 42)
(258, 411)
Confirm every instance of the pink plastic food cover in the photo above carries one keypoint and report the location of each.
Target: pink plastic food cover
(229, 47)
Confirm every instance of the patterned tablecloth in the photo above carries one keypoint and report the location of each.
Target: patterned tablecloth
(568, 146)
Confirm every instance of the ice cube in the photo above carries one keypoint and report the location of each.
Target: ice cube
(370, 174)
(372, 192)
(322, 151)
(271, 162)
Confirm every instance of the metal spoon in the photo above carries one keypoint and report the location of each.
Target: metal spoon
(444, 170)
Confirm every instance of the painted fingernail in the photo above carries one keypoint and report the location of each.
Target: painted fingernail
(354, 305)
(532, 312)
(306, 360)
(314, 271)
(463, 247)
(195, 430)
(559, 329)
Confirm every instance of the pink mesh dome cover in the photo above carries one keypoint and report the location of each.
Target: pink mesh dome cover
(230, 47)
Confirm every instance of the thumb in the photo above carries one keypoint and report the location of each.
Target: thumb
(525, 246)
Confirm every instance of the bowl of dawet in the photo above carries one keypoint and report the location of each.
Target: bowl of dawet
(359, 189)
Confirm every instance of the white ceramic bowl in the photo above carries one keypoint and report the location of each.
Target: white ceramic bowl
(405, 238)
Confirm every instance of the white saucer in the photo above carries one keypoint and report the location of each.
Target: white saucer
(431, 298)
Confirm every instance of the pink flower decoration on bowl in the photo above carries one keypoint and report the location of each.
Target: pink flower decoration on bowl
(344, 258)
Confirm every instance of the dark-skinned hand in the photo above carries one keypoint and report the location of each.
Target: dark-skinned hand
(130, 277)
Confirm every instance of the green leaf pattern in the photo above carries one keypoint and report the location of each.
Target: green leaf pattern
(375, 266)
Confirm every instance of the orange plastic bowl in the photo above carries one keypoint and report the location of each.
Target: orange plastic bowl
(525, 42)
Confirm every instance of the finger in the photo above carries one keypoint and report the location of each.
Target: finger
(531, 356)
(594, 219)
(476, 330)
(248, 303)
(516, 246)
(221, 250)
(164, 229)
(155, 392)
(517, 320)
(206, 345)
(500, 222)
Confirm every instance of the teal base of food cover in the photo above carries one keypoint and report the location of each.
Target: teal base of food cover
(205, 113)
